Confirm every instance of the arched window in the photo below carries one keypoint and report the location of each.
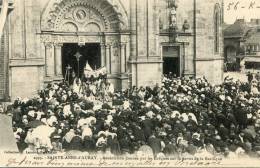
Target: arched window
(216, 28)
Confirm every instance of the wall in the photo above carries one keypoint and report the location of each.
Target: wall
(26, 81)
(206, 57)
(145, 56)
(26, 58)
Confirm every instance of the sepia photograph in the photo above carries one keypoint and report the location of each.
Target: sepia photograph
(129, 83)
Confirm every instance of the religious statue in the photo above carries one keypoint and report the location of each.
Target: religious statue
(185, 26)
(173, 17)
(173, 14)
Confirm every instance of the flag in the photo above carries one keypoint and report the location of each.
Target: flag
(87, 67)
(88, 71)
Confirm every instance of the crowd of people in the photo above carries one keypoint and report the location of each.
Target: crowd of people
(182, 117)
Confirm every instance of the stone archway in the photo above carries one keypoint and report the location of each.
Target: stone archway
(112, 14)
(86, 21)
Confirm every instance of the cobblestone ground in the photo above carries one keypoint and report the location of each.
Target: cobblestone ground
(237, 76)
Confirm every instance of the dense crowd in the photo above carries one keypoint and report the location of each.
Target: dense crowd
(183, 117)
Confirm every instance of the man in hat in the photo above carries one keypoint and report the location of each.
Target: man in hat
(223, 132)
(126, 145)
(155, 144)
(113, 144)
(76, 144)
(89, 144)
(147, 126)
(138, 132)
(241, 115)
(257, 76)
(249, 76)
(170, 147)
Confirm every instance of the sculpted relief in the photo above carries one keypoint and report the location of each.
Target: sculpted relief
(81, 19)
(84, 16)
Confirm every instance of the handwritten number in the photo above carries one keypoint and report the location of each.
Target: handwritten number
(252, 4)
(236, 5)
(229, 5)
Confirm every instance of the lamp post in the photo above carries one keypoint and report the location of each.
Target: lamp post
(78, 55)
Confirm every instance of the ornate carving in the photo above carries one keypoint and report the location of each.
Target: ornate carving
(46, 38)
(108, 46)
(80, 15)
(70, 39)
(73, 13)
(125, 39)
(59, 39)
(58, 45)
(93, 39)
(48, 45)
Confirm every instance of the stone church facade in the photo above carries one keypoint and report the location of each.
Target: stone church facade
(136, 40)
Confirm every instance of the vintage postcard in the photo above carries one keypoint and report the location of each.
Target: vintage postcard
(129, 83)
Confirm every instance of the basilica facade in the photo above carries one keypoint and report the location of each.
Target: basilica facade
(136, 40)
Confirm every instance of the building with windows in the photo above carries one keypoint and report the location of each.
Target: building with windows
(136, 40)
(242, 45)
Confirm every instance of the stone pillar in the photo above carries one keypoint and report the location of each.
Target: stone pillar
(103, 54)
(123, 57)
(133, 27)
(185, 58)
(108, 56)
(58, 59)
(49, 60)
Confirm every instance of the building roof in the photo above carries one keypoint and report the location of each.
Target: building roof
(254, 38)
(238, 29)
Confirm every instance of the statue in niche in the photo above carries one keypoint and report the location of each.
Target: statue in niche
(173, 14)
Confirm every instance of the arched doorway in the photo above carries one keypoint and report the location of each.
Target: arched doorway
(71, 26)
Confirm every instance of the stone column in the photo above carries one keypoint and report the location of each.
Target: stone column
(103, 54)
(185, 58)
(123, 57)
(108, 56)
(49, 60)
(58, 59)
(133, 25)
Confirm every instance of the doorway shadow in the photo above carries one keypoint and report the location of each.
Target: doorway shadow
(90, 53)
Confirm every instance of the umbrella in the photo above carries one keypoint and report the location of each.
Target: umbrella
(35, 123)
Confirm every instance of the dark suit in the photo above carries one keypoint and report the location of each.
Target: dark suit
(155, 144)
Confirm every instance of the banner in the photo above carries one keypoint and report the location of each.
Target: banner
(89, 72)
